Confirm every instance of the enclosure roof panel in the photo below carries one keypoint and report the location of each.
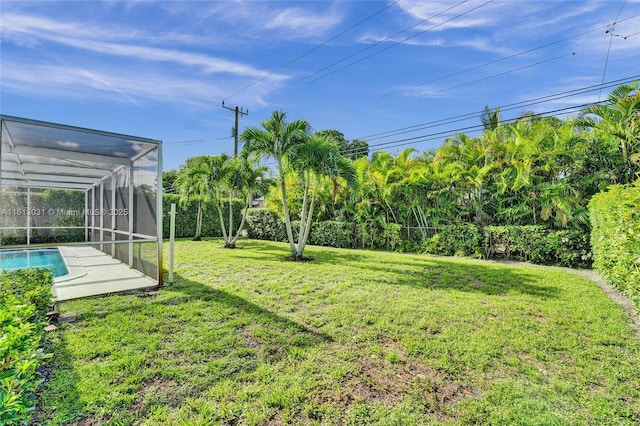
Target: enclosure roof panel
(39, 154)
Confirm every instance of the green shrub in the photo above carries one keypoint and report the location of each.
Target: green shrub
(391, 235)
(263, 224)
(331, 233)
(615, 237)
(465, 239)
(186, 217)
(25, 296)
(538, 244)
(535, 244)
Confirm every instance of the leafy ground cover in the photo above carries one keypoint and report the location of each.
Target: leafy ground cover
(353, 337)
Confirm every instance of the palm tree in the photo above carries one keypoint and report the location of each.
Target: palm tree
(214, 170)
(317, 158)
(277, 139)
(247, 179)
(617, 123)
(192, 186)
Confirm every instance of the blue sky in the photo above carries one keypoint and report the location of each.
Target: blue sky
(366, 68)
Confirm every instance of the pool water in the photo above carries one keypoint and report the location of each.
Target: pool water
(50, 258)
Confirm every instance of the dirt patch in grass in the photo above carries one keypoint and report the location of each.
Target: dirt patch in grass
(298, 259)
(391, 382)
(157, 392)
(391, 378)
(250, 342)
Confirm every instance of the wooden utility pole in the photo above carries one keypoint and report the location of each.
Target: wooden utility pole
(238, 112)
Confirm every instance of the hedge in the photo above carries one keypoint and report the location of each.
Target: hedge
(535, 244)
(615, 238)
(186, 217)
(263, 224)
(25, 296)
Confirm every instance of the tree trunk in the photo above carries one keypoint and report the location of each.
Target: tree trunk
(231, 197)
(285, 209)
(199, 222)
(222, 226)
(303, 216)
(307, 229)
(244, 216)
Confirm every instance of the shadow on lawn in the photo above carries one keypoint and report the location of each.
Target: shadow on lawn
(444, 274)
(196, 291)
(419, 271)
(206, 335)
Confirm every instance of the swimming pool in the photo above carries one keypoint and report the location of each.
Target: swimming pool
(50, 258)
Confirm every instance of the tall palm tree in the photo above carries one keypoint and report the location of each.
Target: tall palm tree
(317, 158)
(277, 139)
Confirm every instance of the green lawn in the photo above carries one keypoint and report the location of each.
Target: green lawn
(353, 337)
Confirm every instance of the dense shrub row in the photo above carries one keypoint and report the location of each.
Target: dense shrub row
(535, 244)
(615, 236)
(186, 217)
(25, 296)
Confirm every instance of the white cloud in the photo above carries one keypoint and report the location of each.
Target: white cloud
(121, 85)
(303, 22)
(79, 36)
(435, 12)
(258, 19)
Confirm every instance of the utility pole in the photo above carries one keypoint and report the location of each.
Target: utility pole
(238, 112)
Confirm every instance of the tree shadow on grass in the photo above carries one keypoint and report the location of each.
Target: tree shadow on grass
(195, 291)
(446, 274)
(203, 336)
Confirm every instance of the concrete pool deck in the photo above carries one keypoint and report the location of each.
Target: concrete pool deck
(92, 273)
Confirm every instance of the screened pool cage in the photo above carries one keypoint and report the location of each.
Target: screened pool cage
(64, 185)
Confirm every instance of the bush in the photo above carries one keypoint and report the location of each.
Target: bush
(331, 233)
(615, 237)
(535, 244)
(186, 217)
(25, 296)
(465, 239)
(263, 224)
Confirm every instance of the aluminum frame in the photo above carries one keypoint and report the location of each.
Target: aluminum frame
(37, 155)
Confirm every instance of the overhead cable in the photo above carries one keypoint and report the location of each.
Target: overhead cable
(308, 52)
(506, 107)
(599, 28)
(368, 47)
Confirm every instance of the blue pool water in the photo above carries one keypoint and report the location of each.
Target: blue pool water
(50, 258)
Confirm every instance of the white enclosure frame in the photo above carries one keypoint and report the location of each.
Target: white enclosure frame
(120, 176)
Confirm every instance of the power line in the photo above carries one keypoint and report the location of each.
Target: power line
(408, 38)
(368, 47)
(511, 56)
(506, 107)
(613, 26)
(499, 74)
(450, 132)
(438, 135)
(314, 49)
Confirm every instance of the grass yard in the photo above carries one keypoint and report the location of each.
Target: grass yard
(353, 337)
